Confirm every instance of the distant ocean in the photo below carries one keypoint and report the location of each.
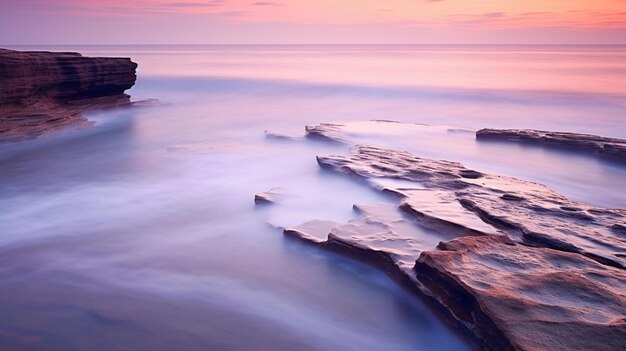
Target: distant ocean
(564, 87)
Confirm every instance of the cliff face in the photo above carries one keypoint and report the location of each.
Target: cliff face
(44, 91)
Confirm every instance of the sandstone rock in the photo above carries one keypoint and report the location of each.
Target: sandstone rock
(519, 267)
(526, 211)
(439, 210)
(381, 228)
(44, 91)
(315, 231)
(328, 132)
(267, 197)
(603, 146)
(525, 298)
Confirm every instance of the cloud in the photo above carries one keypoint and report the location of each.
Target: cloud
(360, 20)
(213, 3)
(232, 14)
(266, 3)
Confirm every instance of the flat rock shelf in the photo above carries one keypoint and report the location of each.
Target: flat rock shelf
(509, 263)
(612, 148)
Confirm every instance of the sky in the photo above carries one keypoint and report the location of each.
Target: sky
(312, 22)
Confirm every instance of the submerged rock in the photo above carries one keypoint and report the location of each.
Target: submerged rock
(603, 146)
(328, 132)
(45, 91)
(281, 136)
(267, 197)
(520, 267)
(216, 145)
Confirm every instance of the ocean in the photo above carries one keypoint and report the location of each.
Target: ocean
(142, 233)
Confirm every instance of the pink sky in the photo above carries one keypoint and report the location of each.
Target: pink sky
(312, 21)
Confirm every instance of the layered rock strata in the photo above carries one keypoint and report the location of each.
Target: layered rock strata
(510, 263)
(45, 91)
(527, 298)
(613, 148)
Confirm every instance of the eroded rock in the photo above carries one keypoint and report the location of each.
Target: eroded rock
(610, 147)
(328, 132)
(42, 92)
(527, 298)
(519, 267)
(269, 197)
(526, 211)
(439, 210)
(315, 231)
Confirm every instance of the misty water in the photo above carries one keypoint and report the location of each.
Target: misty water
(141, 232)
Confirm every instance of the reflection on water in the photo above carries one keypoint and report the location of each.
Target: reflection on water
(142, 232)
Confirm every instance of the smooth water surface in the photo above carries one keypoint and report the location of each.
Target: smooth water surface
(141, 233)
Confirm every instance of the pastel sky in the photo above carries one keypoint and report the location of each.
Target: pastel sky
(312, 21)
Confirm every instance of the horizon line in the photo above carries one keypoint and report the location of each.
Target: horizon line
(324, 44)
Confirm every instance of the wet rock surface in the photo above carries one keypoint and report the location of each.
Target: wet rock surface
(268, 197)
(526, 211)
(314, 231)
(42, 92)
(528, 298)
(607, 147)
(510, 263)
(282, 136)
(328, 132)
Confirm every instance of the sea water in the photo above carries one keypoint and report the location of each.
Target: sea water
(142, 233)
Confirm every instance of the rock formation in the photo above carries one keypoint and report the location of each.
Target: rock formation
(327, 132)
(528, 211)
(44, 91)
(608, 147)
(268, 197)
(282, 136)
(527, 298)
(510, 263)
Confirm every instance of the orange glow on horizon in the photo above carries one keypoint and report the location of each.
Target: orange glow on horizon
(504, 13)
(319, 20)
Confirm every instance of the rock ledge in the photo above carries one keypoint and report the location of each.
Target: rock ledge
(509, 263)
(45, 91)
(608, 147)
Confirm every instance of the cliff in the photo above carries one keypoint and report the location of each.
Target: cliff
(45, 91)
